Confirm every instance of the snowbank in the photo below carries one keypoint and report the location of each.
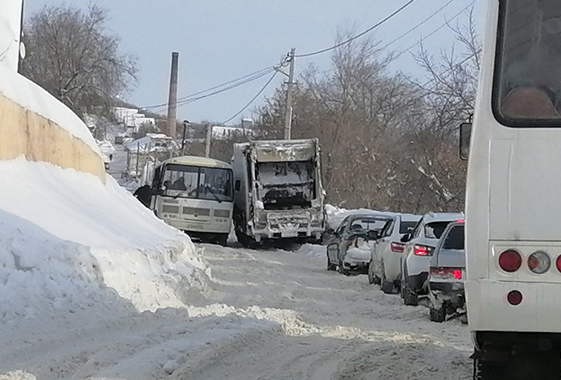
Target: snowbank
(70, 243)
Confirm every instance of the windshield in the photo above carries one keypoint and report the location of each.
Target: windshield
(528, 81)
(286, 185)
(435, 230)
(195, 182)
(455, 238)
(366, 224)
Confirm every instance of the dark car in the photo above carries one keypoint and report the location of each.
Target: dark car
(349, 246)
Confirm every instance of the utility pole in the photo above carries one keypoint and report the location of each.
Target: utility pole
(185, 123)
(172, 102)
(208, 137)
(288, 114)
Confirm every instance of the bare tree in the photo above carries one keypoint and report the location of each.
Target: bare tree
(74, 57)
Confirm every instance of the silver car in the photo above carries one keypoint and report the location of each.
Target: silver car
(447, 275)
(419, 247)
(348, 249)
(384, 268)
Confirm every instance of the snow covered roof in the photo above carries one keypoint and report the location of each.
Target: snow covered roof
(198, 161)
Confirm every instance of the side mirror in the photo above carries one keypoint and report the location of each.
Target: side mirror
(405, 238)
(237, 185)
(330, 231)
(465, 140)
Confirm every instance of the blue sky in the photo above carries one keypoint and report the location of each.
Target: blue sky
(219, 40)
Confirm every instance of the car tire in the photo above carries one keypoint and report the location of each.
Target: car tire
(437, 315)
(342, 269)
(372, 278)
(331, 267)
(387, 286)
(410, 298)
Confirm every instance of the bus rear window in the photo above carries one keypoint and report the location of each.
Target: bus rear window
(527, 89)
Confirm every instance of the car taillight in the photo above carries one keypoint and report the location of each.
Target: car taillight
(558, 263)
(446, 273)
(510, 261)
(398, 247)
(539, 262)
(422, 250)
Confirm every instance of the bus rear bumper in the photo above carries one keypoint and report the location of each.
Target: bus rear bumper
(489, 309)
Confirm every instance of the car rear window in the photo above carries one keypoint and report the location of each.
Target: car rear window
(407, 227)
(455, 238)
(435, 230)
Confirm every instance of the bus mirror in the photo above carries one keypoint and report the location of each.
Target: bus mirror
(465, 137)
(237, 185)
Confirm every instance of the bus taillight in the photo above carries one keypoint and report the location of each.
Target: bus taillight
(558, 263)
(510, 261)
(539, 262)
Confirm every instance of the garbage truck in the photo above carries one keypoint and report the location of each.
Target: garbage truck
(278, 192)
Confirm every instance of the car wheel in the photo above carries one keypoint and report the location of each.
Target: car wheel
(330, 267)
(409, 296)
(372, 278)
(386, 286)
(342, 269)
(437, 315)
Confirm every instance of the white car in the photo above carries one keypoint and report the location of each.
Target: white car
(419, 246)
(385, 263)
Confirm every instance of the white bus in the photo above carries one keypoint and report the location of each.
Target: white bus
(195, 195)
(513, 200)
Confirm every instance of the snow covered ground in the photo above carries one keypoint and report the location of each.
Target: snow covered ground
(263, 315)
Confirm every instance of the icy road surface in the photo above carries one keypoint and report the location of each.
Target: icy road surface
(264, 315)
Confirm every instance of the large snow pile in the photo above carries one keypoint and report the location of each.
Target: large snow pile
(71, 244)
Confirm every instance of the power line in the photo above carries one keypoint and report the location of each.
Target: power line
(252, 99)
(434, 31)
(194, 99)
(358, 35)
(254, 75)
(418, 25)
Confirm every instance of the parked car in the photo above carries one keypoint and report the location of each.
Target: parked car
(447, 275)
(348, 249)
(386, 255)
(418, 250)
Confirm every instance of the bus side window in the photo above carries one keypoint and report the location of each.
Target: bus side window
(237, 185)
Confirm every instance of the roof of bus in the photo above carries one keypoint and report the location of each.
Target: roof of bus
(198, 161)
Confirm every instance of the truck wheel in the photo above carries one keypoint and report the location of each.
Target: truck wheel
(331, 267)
(223, 240)
(437, 315)
(484, 370)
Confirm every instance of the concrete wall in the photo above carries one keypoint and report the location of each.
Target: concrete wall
(32, 122)
(24, 132)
